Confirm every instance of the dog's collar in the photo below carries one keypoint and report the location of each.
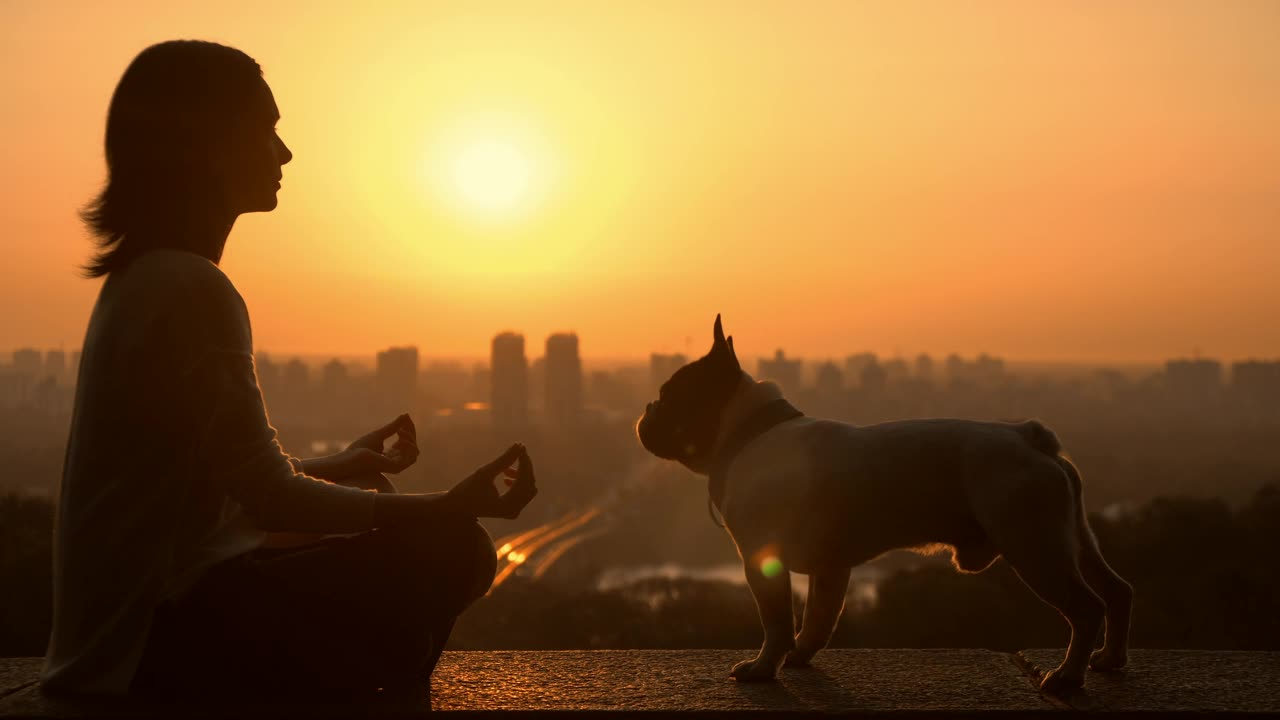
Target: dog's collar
(758, 423)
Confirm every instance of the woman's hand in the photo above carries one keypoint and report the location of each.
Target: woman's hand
(366, 454)
(476, 495)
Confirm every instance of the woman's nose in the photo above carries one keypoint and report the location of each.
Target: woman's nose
(283, 154)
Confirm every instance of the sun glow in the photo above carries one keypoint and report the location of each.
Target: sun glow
(492, 176)
(491, 173)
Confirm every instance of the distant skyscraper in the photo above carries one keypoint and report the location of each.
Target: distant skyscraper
(988, 368)
(985, 370)
(896, 370)
(829, 380)
(55, 363)
(28, 361)
(295, 378)
(509, 382)
(395, 378)
(1256, 381)
(873, 377)
(855, 364)
(662, 367)
(782, 370)
(1195, 379)
(563, 403)
(924, 367)
(955, 368)
(333, 375)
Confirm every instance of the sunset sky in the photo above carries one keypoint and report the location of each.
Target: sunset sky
(1079, 181)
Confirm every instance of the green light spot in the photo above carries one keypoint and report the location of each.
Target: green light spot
(771, 567)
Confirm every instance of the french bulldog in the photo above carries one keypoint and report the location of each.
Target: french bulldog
(818, 497)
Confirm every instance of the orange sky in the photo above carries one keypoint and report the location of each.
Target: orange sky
(1049, 180)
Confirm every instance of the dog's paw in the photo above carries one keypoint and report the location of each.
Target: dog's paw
(757, 670)
(1056, 682)
(1105, 659)
(799, 658)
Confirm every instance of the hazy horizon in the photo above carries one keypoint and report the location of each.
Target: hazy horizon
(1048, 182)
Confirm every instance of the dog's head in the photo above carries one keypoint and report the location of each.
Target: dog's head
(682, 424)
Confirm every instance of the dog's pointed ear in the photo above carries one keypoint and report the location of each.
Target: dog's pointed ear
(733, 354)
(717, 333)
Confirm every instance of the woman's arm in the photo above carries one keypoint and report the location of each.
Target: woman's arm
(366, 457)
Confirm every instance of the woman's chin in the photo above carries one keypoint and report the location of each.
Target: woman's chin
(265, 204)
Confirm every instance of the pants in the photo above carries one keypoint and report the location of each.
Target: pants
(345, 615)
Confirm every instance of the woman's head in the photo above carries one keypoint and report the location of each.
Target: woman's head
(190, 144)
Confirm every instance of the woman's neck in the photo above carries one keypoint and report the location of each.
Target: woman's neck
(206, 237)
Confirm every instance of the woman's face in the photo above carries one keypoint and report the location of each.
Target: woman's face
(250, 169)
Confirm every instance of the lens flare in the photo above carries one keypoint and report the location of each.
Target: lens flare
(771, 567)
(769, 561)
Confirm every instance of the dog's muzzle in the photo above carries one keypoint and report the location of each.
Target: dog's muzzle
(656, 435)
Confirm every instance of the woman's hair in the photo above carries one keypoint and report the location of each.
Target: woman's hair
(174, 105)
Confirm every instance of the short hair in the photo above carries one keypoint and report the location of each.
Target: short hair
(172, 106)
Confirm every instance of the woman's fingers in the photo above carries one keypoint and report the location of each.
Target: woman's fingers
(524, 475)
(522, 490)
(503, 461)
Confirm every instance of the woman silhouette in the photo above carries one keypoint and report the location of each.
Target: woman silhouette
(165, 582)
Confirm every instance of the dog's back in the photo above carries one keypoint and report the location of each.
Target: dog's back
(839, 494)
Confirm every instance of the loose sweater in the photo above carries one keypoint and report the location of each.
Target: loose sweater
(171, 465)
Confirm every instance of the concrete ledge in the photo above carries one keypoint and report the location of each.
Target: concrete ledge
(851, 683)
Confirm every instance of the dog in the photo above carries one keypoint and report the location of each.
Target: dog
(817, 497)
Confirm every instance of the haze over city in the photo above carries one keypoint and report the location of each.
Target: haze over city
(1045, 182)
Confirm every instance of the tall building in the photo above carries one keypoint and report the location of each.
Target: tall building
(395, 380)
(829, 380)
(28, 361)
(896, 370)
(333, 375)
(295, 377)
(563, 403)
(1256, 381)
(509, 382)
(662, 367)
(782, 370)
(55, 363)
(874, 377)
(854, 365)
(924, 367)
(1195, 379)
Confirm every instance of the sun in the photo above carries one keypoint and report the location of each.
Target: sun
(492, 175)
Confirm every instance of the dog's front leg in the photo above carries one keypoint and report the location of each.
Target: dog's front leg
(772, 594)
(821, 613)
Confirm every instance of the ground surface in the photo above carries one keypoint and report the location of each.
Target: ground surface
(857, 683)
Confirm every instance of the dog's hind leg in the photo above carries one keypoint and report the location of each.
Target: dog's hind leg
(1038, 537)
(821, 613)
(1115, 591)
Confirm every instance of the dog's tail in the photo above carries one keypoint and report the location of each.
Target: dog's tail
(1040, 437)
(1043, 439)
(1073, 475)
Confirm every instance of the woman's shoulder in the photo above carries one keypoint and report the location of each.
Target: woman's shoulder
(185, 267)
(179, 280)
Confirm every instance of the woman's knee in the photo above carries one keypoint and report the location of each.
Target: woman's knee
(458, 553)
